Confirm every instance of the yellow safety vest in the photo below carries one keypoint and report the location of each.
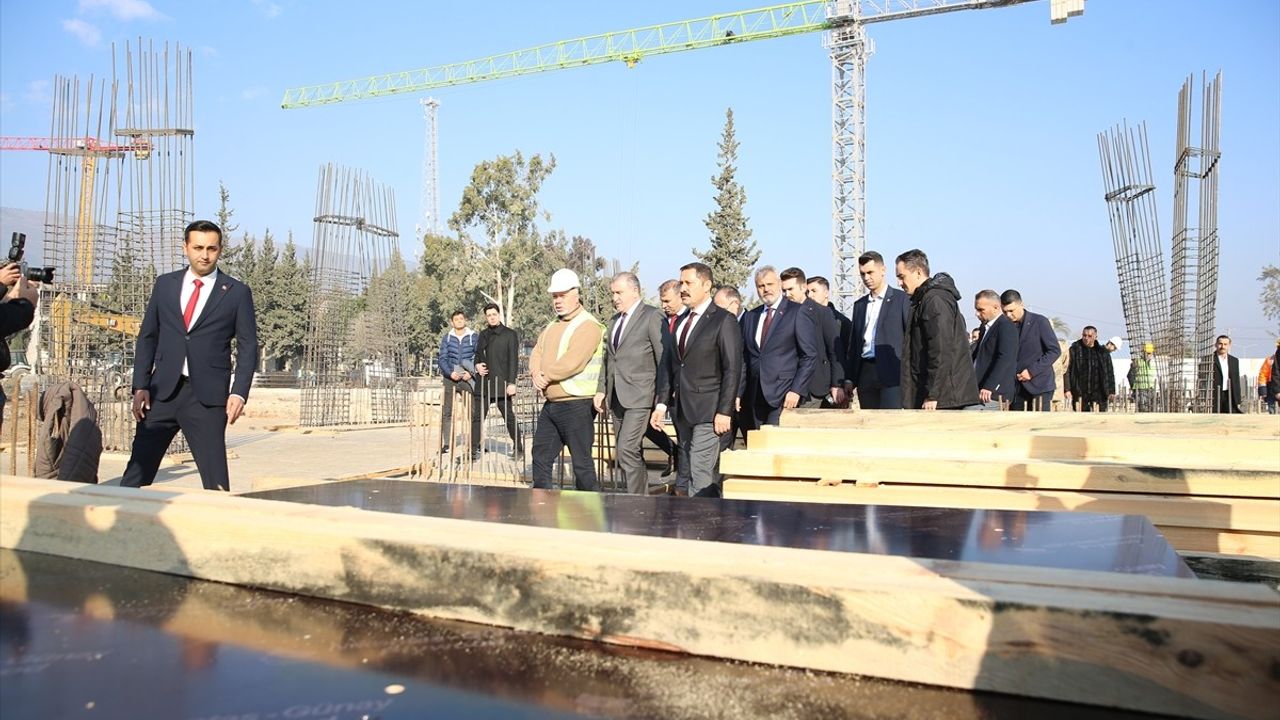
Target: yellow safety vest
(1144, 377)
(584, 383)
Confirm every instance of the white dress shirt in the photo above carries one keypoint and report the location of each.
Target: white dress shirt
(621, 328)
(874, 303)
(1226, 376)
(764, 313)
(208, 282)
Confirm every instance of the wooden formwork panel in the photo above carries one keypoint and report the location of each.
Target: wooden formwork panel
(1179, 646)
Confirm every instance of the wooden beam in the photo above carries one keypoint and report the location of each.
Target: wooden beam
(1259, 426)
(1153, 451)
(1192, 648)
(1255, 543)
(1210, 513)
(868, 466)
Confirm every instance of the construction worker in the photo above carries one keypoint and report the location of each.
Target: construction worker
(1269, 380)
(565, 368)
(1142, 378)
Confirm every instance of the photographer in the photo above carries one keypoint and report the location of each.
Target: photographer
(17, 310)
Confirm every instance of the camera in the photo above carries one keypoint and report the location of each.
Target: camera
(17, 248)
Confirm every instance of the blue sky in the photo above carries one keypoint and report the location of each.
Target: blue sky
(981, 129)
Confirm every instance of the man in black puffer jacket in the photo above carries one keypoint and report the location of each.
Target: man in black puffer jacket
(937, 370)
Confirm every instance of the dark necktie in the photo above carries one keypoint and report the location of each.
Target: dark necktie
(671, 323)
(617, 330)
(191, 304)
(684, 334)
(768, 320)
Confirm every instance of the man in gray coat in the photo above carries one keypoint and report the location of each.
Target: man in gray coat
(633, 351)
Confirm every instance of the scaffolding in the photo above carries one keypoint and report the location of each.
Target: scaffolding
(1194, 288)
(1135, 233)
(1181, 322)
(115, 211)
(356, 351)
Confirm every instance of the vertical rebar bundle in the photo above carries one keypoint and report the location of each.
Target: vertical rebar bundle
(356, 348)
(117, 199)
(1195, 249)
(1135, 233)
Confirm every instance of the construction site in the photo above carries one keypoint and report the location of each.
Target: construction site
(382, 554)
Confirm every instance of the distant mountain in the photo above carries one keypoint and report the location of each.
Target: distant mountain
(30, 222)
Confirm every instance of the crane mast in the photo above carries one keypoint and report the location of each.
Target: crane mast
(846, 39)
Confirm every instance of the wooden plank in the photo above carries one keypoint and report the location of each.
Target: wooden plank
(1193, 648)
(1168, 452)
(863, 466)
(1214, 513)
(1204, 540)
(1259, 426)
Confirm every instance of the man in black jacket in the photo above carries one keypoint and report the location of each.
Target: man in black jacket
(1090, 379)
(17, 310)
(498, 363)
(1226, 377)
(937, 370)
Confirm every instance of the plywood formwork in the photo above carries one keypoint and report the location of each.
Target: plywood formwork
(1180, 646)
(1209, 486)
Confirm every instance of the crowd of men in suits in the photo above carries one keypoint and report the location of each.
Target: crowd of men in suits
(717, 369)
(714, 368)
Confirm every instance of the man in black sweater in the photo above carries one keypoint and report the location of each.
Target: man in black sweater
(497, 361)
(937, 369)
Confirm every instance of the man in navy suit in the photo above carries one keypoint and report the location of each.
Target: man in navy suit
(182, 365)
(874, 359)
(995, 353)
(826, 385)
(1037, 351)
(698, 380)
(781, 344)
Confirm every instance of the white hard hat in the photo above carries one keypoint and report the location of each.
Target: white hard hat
(563, 280)
(1116, 341)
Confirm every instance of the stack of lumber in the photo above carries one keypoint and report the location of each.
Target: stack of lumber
(1210, 483)
(1177, 646)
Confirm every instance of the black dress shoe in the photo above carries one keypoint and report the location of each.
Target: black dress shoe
(672, 465)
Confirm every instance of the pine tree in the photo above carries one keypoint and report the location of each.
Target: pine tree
(225, 212)
(292, 301)
(732, 253)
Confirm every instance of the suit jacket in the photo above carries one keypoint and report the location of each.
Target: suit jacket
(164, 342)
(704, 382)
(1233, 367)
(994, 358)
(891, 326)
(786, 362)
(630, 371)
(827, 371)
(1037, 351)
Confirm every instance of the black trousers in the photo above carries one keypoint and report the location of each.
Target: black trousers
(1026, 401)
(872, 395)
(567, 422)
(204, 426)
(506, 406)
(660, 439)
(1222, 402)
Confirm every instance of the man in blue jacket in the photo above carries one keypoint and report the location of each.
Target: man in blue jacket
(458, 348)
(995, 353)
(1037, 351)
(182, 364)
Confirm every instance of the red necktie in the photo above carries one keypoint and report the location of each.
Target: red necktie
(684, 334)
(191, 304)
(671, 323)
(617, 331)
(768, 320)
